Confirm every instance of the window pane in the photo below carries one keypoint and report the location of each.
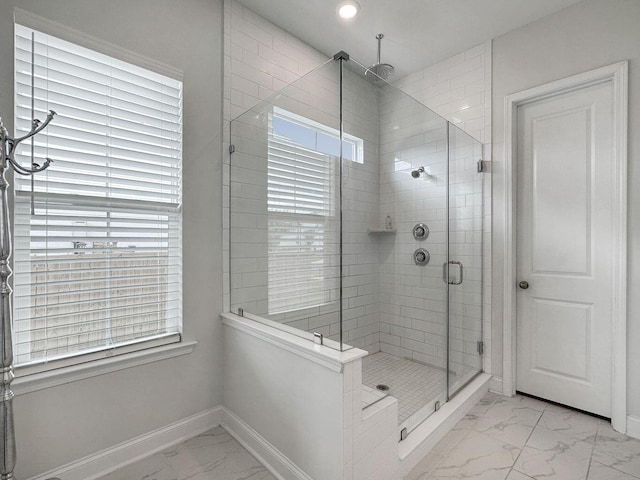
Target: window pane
(302, 226)
(329, 144)
(298, 134)
(97, 237)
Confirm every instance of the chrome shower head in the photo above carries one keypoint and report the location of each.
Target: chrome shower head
(417, 173)
(379, 71)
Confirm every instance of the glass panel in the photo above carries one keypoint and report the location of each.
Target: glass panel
(394, 308)
(465, 258)
(284, 219)
(325, 227)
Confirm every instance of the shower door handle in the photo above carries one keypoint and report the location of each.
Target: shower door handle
(445, 272)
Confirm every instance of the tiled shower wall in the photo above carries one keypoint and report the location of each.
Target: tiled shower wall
(459, 89)
(260, 60)
(413, 298)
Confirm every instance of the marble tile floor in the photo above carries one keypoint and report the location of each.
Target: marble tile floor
(521, 438)
(214, 455)
(501, 438)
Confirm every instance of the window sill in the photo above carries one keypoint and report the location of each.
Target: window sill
(52, 378)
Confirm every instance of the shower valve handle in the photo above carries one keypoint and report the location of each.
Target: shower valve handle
(523, 285)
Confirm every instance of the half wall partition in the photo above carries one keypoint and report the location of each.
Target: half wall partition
(356, 221)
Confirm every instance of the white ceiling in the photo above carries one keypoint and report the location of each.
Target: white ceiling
(417, 33)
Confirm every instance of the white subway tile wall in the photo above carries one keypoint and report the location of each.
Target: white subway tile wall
(459, 89)
(259, 60)
(314, 96)
(413, 301)
(388, 305)
(370, 441)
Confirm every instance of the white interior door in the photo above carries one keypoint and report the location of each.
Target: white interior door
(564, 248)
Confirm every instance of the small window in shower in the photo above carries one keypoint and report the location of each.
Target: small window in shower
(315, 136)
(303, 227)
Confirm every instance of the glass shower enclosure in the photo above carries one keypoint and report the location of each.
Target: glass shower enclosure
(356, 221)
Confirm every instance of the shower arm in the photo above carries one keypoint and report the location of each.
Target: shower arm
(380, 36)
(8, 147)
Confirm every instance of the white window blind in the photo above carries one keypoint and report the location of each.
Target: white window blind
(303, 250)
(97, 236)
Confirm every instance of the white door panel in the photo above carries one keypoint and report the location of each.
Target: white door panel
(564, 245)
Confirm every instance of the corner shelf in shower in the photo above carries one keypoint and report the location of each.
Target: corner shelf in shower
(381, 231)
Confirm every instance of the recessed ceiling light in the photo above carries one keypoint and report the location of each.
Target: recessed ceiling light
(348, 9)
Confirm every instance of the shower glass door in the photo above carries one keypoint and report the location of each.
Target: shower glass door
(394, 299)
(463, 270)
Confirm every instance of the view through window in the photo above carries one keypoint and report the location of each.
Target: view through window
(97, 237)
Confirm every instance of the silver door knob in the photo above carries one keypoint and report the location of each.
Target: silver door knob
(523, 285)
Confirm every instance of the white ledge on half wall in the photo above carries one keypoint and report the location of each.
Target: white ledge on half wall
(270, 331)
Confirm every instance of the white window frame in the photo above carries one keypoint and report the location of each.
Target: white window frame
(87, 365)
(358, 143)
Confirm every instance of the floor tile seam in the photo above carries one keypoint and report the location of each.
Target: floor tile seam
(496, 440)
(593, 446)
(591, 460)
(449, 450)
(513, 469)
(613, 468)
(572, 437)
(526, 443)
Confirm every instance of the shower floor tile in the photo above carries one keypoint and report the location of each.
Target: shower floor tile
(413, 384)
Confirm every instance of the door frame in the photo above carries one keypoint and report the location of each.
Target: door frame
(617, 74)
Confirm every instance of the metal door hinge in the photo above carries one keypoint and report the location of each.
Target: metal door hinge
(483, 166)
(232, 148)
(241, 312)
(404, 433)
(318, 338)
(480, 348)
(437, 406)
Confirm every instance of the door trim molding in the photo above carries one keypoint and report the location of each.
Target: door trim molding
(617, 74)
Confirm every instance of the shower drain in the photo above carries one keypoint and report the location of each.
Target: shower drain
(382, 387)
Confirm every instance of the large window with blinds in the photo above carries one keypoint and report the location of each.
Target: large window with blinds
(303, 225)
(97, 236)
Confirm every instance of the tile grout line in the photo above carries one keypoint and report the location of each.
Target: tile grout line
(469, 430)
(595, 440)
(527, 441)
(608, 466)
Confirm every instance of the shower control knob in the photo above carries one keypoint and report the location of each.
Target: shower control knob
(420, 231)
(421, 256)
(523, 285)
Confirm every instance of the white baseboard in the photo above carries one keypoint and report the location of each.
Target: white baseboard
(495, 385)
(99, 464)
(273, 459)
(633, 426)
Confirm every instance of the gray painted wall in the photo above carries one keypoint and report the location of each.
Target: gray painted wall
(590, 34)
(64, 423)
